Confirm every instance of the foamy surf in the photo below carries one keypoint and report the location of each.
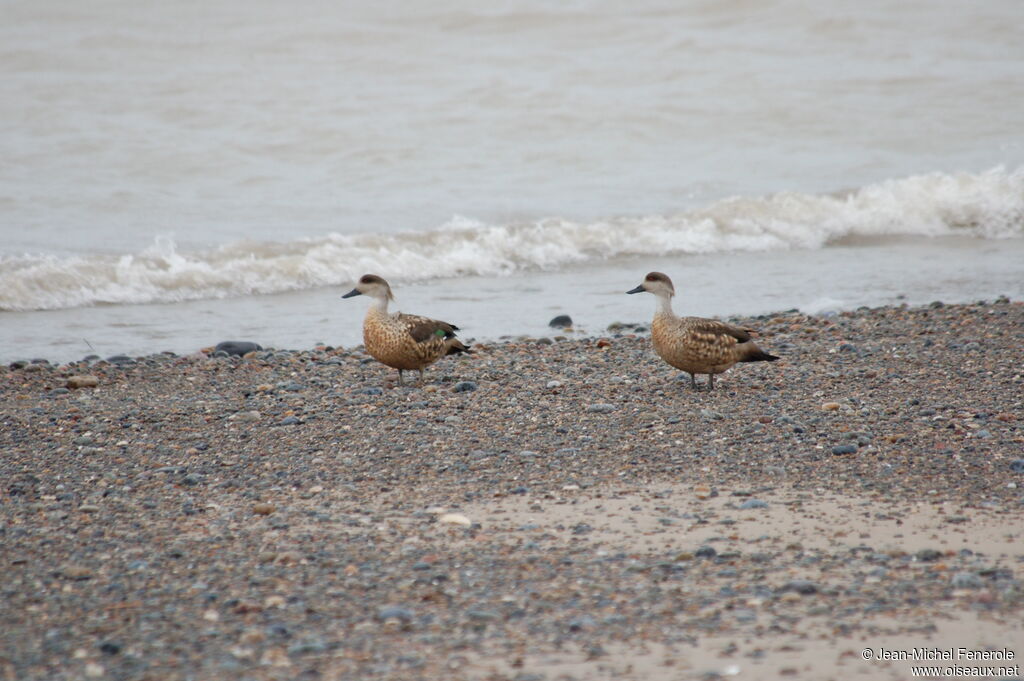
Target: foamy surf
(988, 205)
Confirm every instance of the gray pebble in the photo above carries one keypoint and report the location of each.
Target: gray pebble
(844, 449)
(237, 348)
(966, 580)
(395, 612)
(465, 387)
(753, 503)
(801, 586)
(600, 408)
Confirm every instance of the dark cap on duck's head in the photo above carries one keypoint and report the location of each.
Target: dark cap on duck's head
(656, 283)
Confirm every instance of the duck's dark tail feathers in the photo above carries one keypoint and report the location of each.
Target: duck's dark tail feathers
(455, 347)
(759, 356)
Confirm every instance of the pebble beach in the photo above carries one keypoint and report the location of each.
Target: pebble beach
(544, 509)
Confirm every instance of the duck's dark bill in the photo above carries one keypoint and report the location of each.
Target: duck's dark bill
(352, 293)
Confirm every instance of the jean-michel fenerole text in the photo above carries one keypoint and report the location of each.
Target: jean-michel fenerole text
(957, 654)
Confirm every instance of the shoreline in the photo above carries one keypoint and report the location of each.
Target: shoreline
(841, 277)
(297, 513)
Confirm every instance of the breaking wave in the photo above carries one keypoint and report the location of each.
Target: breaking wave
(987, 205)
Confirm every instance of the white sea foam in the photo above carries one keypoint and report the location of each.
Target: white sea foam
(989, 205)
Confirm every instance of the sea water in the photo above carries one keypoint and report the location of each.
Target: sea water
(175, 174)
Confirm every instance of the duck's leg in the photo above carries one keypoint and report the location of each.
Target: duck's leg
(421, 375)
(693, 381)
(711, 382)
(400, 381)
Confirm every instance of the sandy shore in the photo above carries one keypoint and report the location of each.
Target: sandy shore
(561, 508)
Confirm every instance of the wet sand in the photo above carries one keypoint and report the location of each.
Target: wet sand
(559, 508)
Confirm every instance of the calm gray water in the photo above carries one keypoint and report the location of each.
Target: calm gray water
(175, 174)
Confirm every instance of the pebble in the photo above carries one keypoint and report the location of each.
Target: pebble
(454, 519)
(830, 406)
(263, 509)
(1017, 465)
(76, 572)
(562, 321)
(928, 555)
(394, 612)
(839, 450)
(82, 381)
(753, 503)
(110, 647)
(464, 387)
(237, 348)
(801, 586)
(600, 408)
(966, 580)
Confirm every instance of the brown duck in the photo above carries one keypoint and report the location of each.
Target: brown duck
(402, 341)
(694, 344)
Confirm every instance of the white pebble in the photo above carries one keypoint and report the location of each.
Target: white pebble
(455, 519)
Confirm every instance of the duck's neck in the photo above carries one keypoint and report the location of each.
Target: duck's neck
(664, 307)
(378, 308)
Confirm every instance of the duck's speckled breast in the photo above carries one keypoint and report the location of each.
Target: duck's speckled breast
(690, 349)
(388, 341)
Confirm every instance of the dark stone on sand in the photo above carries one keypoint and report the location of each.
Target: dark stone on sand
(928, 555)
(110, 647)
(371, 391)
(465, 387)
(801, 586)
(562, 321)
(600, 408)
(237, 348)
(1017, 465)
(19, 364)
(120, 359)
(839, 450)
(705, 552)
(289, 421)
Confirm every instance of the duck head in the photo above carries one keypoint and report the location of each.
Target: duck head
(657, 283)
(373, 286)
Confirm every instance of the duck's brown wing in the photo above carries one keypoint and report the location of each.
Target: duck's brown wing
(713, 327)
(424, 329)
